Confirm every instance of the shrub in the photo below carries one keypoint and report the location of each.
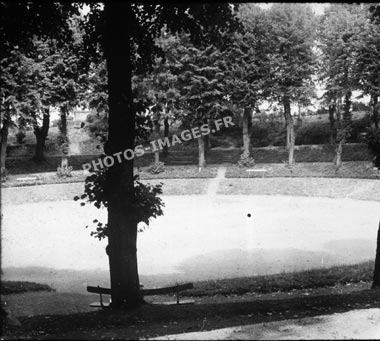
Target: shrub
(20, 137)
(3, 174)
(246, 161)
(156, 167)
(64, 172)
(359, 106)
(373, 141)
(359, 127)
(313, 133)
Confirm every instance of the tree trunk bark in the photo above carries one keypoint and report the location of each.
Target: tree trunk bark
(332, 122)
(339, 150)
(290, 135)
(156, 156)
(376, 272)
(63, 125)
(347, 109)
(166, 134)
(4, 141)
(201, 151)
(41, 134)
(376, 108)
(157, 136)
(122, 225)
(206, 139)
(344, 124)
(246, 137)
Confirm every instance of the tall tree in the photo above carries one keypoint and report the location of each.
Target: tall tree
(292, 28)
(162, 86)
(338, 28)
(366, 68)
(248, 66)
(13, 77)
(202, 83)
(130, 31)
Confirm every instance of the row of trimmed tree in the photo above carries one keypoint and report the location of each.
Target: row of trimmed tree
(278, 55)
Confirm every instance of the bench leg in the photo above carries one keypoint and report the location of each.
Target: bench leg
(101, 299)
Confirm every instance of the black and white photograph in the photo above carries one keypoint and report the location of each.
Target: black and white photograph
(190, 170)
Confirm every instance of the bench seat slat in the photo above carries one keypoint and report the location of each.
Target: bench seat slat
(166, 290)
(145, 292)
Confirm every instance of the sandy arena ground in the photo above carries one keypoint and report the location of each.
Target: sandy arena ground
(200, 235)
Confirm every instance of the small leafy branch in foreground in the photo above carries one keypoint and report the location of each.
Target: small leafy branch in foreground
(146, 205)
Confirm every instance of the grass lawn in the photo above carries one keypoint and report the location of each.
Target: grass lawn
(308, 279)
(349, 169)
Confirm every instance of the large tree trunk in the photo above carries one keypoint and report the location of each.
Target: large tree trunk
(4, 141)
(376, 108)
(201, 153)
(376, 272)
(246, 138)
(41, 134)
(290, 135)
(122, 226)
(166, 134)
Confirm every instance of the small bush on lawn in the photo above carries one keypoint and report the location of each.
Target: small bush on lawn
(64, 172)
(20, 137)
(4, 174)
(17, 287)
(156, 168)
(246, 161)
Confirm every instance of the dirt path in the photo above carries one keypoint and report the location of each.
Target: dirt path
(214, 182)
(355, 324)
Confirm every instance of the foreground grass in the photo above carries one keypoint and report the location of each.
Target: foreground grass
(154, 320)
(212, 309)
(308, 279)
(18, 287)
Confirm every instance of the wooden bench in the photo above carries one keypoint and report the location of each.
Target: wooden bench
(144, 292)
